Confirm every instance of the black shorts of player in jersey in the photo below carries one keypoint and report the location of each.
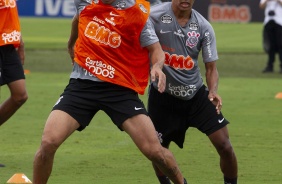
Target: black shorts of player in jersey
(82, 99)
(172, 116)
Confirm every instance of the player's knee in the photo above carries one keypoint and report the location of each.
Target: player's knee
(226, 150)
(48, 147)
(20, 99)
(156, 154)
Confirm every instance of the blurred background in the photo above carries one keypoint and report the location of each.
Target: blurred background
(228, 11)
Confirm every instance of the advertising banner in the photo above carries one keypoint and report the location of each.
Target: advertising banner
(232, 11)
(46, 8)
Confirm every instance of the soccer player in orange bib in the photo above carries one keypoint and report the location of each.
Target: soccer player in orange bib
(111, 56)
(12, 57)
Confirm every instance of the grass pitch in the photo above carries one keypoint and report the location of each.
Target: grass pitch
(103, 154)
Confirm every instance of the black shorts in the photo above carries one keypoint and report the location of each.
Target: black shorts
(82, 99)
(172, 116)
(11, 68)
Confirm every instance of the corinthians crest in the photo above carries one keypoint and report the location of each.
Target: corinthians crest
(192, 39)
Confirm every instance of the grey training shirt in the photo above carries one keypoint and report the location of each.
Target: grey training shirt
(182, 46)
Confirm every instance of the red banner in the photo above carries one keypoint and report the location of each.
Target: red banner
(231, 11)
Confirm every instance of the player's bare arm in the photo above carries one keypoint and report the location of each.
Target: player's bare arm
(212, 83)
(21, 51)
(73, 36)
(157, 58)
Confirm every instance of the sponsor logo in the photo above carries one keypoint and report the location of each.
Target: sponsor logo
(220, 120)
(230, 13)
(167, 19)
(179, 33)
(112, 14)
(87, 73)
(54, 8)
(181, 91)
(111, 21)
(11, 37)
(208, 43)
(102, 34)
(7, 4)
(166, 48)
(142, 8)
(100, 68)
(138, 108)
(98, 20)
(192, 40)
(179, 62)
(163, 32)
(193, 26)
(58, 101)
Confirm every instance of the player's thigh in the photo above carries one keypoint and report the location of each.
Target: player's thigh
(18, 87)
(220, 138)
(59, 126)
(140, 128)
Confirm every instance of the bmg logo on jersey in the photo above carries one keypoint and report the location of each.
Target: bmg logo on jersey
(179, 62)
(102, 34)
(7, 4)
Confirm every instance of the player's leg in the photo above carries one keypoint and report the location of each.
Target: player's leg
(163, 179)
(15, 101)
(59, 126)
(141, 130)
(12, 74)
(167, 119)
(269, 28)
(214, 125)
(228, 160)
(278, 34)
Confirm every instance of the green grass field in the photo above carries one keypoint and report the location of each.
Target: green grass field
(102, 154)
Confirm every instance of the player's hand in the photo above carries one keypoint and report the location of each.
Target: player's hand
(216, 100)
(157, 74)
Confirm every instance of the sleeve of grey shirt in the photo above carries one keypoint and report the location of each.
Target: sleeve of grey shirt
(209, 50)
(80, 4)
(148, 35)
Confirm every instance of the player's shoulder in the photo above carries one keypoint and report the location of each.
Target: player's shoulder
(82, 2)
(160, 8)
(200, 19)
